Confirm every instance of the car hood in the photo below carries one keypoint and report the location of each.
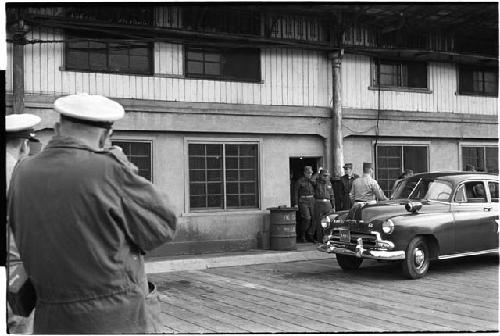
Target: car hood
(393, 208)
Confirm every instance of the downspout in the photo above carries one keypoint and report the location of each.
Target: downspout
(336, 138)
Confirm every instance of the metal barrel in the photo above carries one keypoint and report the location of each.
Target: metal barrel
(282, 229)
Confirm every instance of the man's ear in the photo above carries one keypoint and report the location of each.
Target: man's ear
(57, 128)
(24, 150)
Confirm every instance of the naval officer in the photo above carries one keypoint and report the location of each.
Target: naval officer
(83, 219)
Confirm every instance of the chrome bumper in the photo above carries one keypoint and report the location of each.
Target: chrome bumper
(361, 252)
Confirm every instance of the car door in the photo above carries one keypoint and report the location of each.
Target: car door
(472, 213)
(493, 198)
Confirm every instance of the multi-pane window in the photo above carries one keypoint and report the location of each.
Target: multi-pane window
(88, 53)
(223, 176)
(393, 160)
(238, 64)
(139, 153)
(477, 81)
(481, 158)
(403, 74)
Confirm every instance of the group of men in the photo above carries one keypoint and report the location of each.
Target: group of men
(80, 219)
(316, 195)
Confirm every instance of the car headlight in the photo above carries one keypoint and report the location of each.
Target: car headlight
(388, 226)
(325, 222)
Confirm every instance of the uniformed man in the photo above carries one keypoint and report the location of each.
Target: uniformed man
(365, 189)
(82, 220)
(347, 180)
(338, 189)
(323, 202)
(304, 200)
(18, 129)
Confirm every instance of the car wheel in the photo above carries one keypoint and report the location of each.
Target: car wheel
(348, 263)
(417, 260)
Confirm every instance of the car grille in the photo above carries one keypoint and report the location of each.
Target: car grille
(351, 237)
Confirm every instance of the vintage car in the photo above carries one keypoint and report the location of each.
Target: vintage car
(430, 216)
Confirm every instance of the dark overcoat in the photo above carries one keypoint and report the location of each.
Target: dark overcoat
(82, 220)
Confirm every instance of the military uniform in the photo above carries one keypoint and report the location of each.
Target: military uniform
(323, 203)
(346, 189)
(83, 220)
(304, 197)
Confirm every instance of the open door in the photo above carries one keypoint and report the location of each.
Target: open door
(297, 165)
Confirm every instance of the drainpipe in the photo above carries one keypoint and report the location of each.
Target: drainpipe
(336, 138)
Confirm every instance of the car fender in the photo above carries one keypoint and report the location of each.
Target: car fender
(438, 225)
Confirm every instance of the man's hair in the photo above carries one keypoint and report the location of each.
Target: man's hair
(14, 142)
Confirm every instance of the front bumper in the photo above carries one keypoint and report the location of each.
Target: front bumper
(359, 251)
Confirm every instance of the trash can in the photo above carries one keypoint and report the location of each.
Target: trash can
(282, 228)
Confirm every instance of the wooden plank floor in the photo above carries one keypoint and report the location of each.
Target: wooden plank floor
(317, 296)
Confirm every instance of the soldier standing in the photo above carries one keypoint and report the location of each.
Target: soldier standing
(323, 202)
(83, 219)
(303, 198)
(365, 189)
(347, 180)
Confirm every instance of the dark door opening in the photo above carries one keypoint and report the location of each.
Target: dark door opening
(297, 165)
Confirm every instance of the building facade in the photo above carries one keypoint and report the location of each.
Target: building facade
(226, 104)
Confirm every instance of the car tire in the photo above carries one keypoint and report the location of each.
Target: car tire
(348, 263)
(417, 258)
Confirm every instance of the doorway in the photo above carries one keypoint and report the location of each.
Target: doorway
(297, 165)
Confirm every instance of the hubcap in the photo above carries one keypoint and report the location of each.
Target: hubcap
(419, 257)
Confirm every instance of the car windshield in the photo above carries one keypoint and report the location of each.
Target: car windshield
(428, 189)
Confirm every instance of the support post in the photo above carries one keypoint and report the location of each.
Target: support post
(18, 30)
(337, 157)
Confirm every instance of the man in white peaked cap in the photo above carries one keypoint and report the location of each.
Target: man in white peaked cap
(18, 129)
(83, 220)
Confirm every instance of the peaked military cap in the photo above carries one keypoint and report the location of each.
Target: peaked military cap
(347, 165)
(20, 125)
(94, 110)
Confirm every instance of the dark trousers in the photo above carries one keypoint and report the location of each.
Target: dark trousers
(320, 208)
(306, 210)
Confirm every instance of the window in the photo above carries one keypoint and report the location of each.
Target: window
(88, 53)
(482, 158)
(223, 176)
(471, 192)
(393, 160)
(216, 63)
(493, 186)
(477, 81)
(403, 74)
(139, 153)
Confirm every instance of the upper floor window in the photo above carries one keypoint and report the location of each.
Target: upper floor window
(238, 64)
(87, 53)
(399, 74)
(139, 153)
(478, 81)
(223, 176)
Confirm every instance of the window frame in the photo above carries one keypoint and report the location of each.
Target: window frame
(222, 141)
(150, 58)
(484, 145)
(220, 51)
(461, 67)
(150, 141)
(426, 144)
(374, 85)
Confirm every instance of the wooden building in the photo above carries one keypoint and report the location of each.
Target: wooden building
(224, 102)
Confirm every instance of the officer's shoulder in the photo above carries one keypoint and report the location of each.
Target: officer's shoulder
(113, 156)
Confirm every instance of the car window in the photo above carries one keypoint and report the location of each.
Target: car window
(471, 192)
(438, 191)
(493, 186)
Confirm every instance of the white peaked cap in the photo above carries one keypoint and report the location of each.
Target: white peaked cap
(20, 122)
(93, 108)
